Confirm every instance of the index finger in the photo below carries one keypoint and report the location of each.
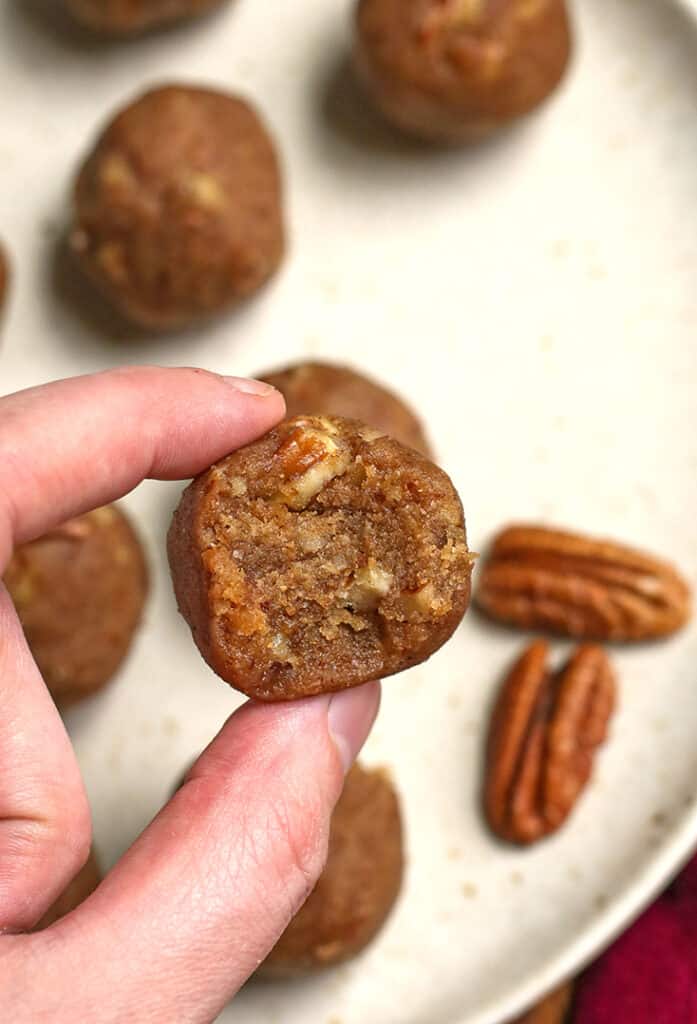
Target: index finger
(65, 448)
(72, 445)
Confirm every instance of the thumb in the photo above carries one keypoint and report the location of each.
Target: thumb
(201, 897)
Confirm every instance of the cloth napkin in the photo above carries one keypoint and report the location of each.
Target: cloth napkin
(649, 976)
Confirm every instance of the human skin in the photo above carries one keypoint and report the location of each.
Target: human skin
(203, 894)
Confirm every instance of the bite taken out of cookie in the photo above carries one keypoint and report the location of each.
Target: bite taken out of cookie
(320, 557)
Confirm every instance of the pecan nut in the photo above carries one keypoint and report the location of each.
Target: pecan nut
(544, 733)
(542, 578)
(310, 457)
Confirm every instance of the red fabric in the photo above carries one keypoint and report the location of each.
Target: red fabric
(650, 975)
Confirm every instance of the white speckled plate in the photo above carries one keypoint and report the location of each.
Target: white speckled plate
(536, 298)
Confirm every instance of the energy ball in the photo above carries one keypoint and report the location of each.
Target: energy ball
(79, 593)
(85, 882)
(340, 391)
(128, 17)
(178, 207)
(457, 70)
(359, 885)
(320, 557)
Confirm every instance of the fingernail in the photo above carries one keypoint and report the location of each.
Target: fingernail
(251, 387)
(350, 717)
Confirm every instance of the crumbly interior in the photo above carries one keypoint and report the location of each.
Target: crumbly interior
(334, 555)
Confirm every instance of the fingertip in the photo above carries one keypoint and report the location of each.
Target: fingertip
(264, 406)
(350, 718)
(249, 386)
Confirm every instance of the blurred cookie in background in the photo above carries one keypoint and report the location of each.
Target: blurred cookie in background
(178, 207)
(85, 882)
(336, 390)
(459, 70)
(130, 17)
(359, 885)
(79, 592)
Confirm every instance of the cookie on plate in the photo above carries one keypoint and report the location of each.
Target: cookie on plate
(79, 592)
(456, 70)
(359, 885)
(336, 390)
(178, 207)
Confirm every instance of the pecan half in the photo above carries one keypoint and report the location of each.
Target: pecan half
(544, 732)
(541, 578)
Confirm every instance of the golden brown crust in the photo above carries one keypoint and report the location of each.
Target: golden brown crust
(85, 882)
(455, 70)
(178, 207)
(320, 557)
(359, 885)
(335, 390)
(79, 593)
(129, 17)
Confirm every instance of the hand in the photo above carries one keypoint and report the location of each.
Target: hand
(196, 903)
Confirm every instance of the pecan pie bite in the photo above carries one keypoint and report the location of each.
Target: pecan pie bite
(322, 556)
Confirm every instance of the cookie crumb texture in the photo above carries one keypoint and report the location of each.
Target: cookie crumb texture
(79, 593)
(320, 557)
(457, 70)
(178, 208)
(129, 17)
(359, 885)
(339, 391)
(85, 882)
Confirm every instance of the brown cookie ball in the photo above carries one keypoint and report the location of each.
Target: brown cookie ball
(455, 70)
(178, 207)
(85, 882)
(128, 17)
(320, 557)
(340, 391)
(79, 593)
(359, 885)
